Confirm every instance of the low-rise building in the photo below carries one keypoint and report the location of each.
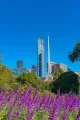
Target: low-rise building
(51, 64)
(78, 73)
(34, 68)
(57, 67)
(18, 71)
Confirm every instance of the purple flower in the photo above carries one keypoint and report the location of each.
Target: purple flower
(64, 116)
(17, 113)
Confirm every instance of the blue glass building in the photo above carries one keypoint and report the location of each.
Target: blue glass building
(40, 58)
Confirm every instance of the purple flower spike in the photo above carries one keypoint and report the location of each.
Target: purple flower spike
(64, 116)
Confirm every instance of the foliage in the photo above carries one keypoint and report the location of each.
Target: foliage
(7, 81)
(24, 106)
(4, 112)
(32, 80)
(57, 74)
(67, 82)
(41, 115)
(75, 55)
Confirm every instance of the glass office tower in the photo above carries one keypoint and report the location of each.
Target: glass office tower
(40, 58)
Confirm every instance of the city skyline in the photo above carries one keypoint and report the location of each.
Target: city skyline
(22, 22)
(42, 69)
(45, 58)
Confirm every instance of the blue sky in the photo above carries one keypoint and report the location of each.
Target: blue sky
(23, 21)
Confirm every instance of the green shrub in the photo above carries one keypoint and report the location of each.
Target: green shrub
(7, 80)
(67, 82)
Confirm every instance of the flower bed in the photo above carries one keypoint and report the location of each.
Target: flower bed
(26, 106)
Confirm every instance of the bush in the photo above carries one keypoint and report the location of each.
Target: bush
(67, 82)
(7, 80)
(32, 80)
(57, 74)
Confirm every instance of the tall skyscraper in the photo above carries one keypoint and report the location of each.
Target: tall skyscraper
(40, 58)
(49, 70)
(49, 76)
(20, 64)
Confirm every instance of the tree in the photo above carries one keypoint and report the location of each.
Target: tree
(7, 80)
(32, 80)
(67, 82)
(75, 54)
(57, 74)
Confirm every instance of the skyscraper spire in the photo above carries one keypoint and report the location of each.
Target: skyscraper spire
(49, 71)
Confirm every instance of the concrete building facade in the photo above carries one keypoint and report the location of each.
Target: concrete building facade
(57, 67)
(20, 64)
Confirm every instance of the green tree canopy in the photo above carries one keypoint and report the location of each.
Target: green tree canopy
(32, 80)
(67, 82)
(75, 54)
(57, 74)
(7, 80)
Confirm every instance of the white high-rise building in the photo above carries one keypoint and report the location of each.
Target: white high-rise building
(49, 70)
(49, 77)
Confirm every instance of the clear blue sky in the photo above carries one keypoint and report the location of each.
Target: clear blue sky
(23, 21)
